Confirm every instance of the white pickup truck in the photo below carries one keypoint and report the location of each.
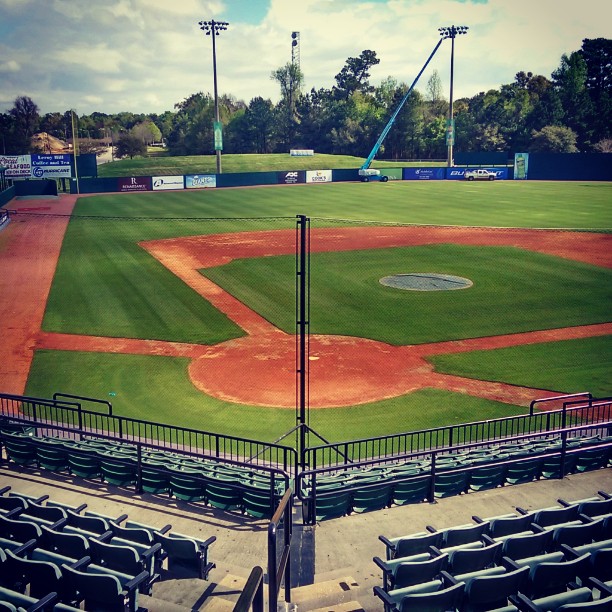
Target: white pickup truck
(479, 174)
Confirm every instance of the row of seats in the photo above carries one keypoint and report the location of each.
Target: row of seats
(53, 547)
(539, 560)
(364, 489)
(185, 477)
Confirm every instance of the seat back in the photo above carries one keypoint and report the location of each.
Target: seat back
(21, 531)
(489, 592)
(439, 601)
(555, 516)
(99, 591)
(93, 524)
(419, 544)
(132, 534)
(408, 574)
(464, 535)
(577, 535)
(46, 513)
(120, 558)
(520, 547)
(596, 507)
(548, 578)
(470, 560)
(507, 525)
(178, 549)
(68, 544)
(43, 577)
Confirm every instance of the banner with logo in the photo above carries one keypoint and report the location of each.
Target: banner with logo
(200, 181)
(318, 176)
(301, 152)
(458, 174)
(292, 177)
(135, 183)
(521, 166)
(424, 174)
(52, 166)
(218, 135)
(17, 166)
(165, 183)
(393, 174)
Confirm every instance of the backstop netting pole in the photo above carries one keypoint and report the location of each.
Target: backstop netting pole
(303, 330)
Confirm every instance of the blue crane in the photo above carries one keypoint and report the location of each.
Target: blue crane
(370, 174)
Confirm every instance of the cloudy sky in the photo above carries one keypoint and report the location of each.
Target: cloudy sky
(147, 55)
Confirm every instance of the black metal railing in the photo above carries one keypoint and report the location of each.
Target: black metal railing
(306, 482)
(279, 565)
(43, 412)
(252, 596)
(396, 445)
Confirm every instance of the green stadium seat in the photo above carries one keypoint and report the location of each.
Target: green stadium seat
(186, 555)
(413, 491)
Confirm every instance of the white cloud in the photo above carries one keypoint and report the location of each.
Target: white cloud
(156, 54)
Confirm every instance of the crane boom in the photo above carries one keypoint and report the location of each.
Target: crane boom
(364, 170)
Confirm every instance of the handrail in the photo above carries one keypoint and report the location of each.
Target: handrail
(557, 398)
(87, 399)
(252, 596)
(277, 569)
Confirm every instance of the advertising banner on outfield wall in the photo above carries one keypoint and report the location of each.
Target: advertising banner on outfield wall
(521, 166)
(393, 174)
(135, 183)
(52, 166)
(17, 166)
(424, 174)
(290, 178)
(200, 181)
(458, 174)
(318, 176)
(164, 183)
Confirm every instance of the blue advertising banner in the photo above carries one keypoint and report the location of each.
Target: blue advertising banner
(200, 181)
(51, 166)
(291, 177)
(424, 174)
(458, 174)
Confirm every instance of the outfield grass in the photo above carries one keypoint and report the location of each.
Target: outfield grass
(207, 164)
(568, 366)
(514, 291)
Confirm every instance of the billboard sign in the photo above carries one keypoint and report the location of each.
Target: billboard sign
(200, 181)
(458, 174)
(165, 183)
(51, 166)
(318, 176)
(521, 166)
(424, 174)
(135, 183)
(218, 135)
(17, 166)
(301, 152)
(290, 178)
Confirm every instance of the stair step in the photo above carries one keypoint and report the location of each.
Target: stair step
(336, 593)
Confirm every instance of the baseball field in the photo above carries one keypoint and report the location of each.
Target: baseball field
(179, 307)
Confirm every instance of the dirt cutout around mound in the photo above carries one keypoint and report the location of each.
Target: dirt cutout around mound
(259, 368)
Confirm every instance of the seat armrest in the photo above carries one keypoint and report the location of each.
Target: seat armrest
(477, 519)
(26, 547)
(81, 564)
(41, 499)
(135, 582)
(206, 543)
(391, 547)
(524, 604)
(509, 564)
(604, 494)
(165, 529)
(152, 551)
(435, 551)
(521, 510)
(569, 552)
(537, 528)
(80, 508)
(59, 525)
(448, 580)
(14, 513)
(389, 603)
(564, 503)
(585, 519)
(105, 537)
(431, 529)
(45, 603)
(488, 540)
(4, 490)
(603, 588)
(383, 566)
(120, 519)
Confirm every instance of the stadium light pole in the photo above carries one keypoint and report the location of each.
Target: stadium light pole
(451, 32)
(213, 28)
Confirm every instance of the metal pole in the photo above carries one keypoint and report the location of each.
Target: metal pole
(450, 112)
(302, 333)
(214, 51)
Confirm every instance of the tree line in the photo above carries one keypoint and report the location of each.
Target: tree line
(570, 111)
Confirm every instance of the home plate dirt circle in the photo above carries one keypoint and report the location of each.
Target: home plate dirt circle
(261, 371)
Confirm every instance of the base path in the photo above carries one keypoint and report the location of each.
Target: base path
(29, 249)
